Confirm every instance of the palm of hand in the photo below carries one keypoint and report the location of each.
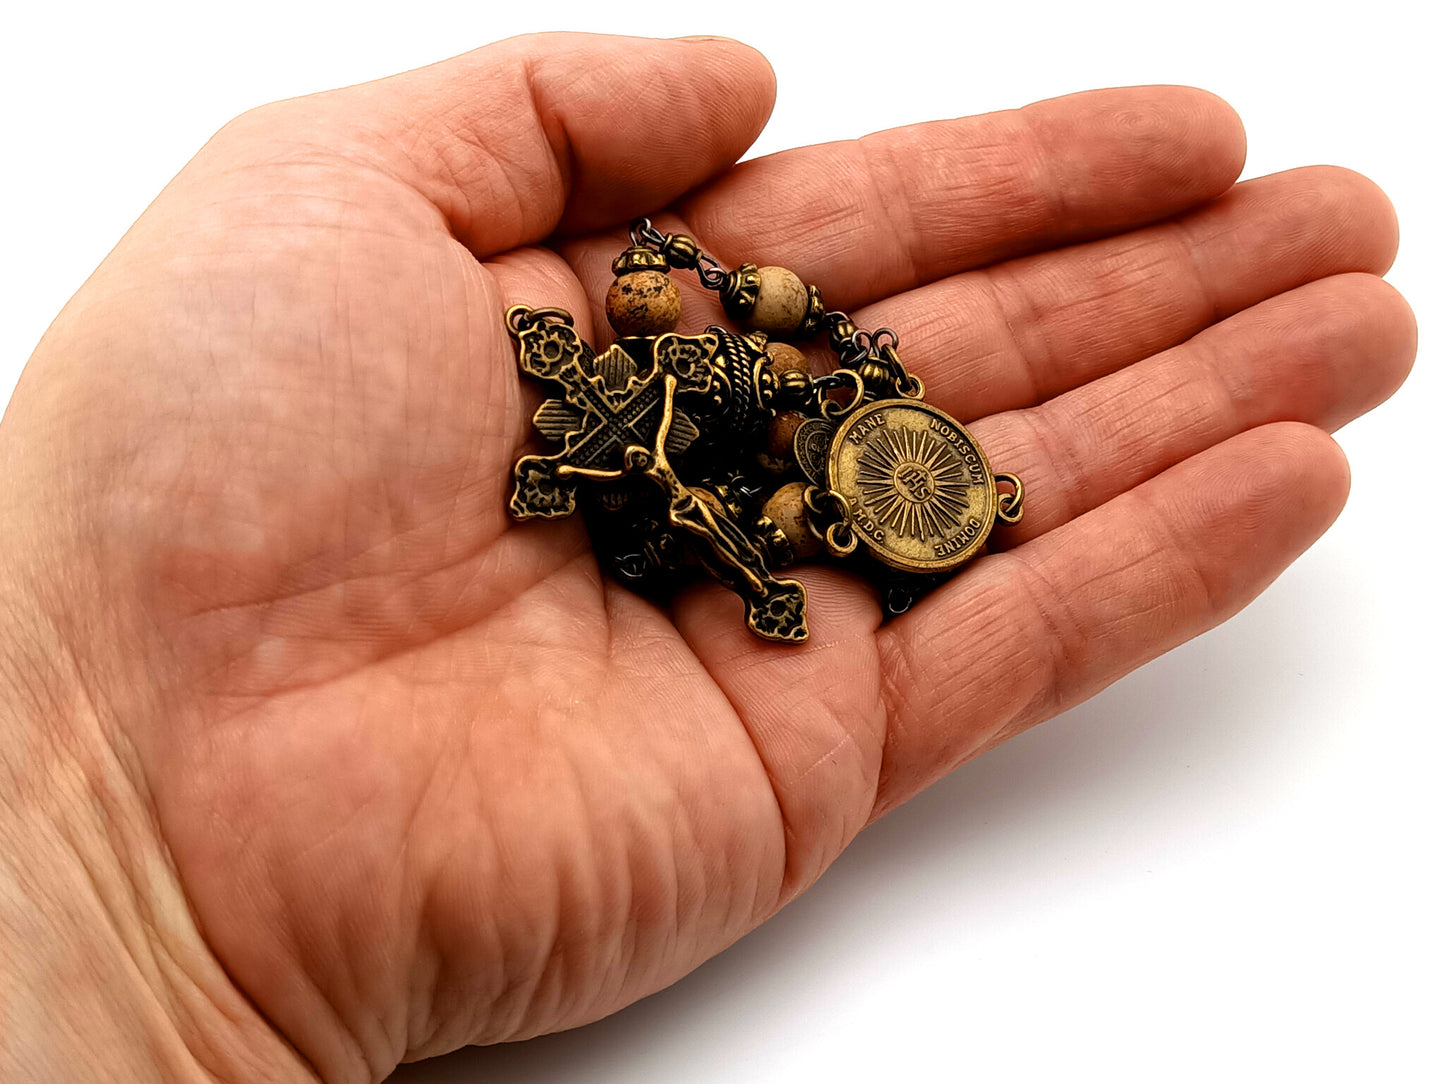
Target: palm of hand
(427, 777)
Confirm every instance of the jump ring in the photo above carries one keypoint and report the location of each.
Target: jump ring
(840, 539)
(831, 408)
(1010, 505)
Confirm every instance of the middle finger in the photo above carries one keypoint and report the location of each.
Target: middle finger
(1019, 333)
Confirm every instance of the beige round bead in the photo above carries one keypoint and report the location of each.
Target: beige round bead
(643, 303)
(782, 302)
(786, 508)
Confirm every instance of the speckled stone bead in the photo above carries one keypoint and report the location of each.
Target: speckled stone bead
(643, 303)
(780, 434)
(787, 509)
(787, 359)
(790, 371)
(782, 302)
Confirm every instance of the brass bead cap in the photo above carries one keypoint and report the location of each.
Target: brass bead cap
(817, 312)
(740, 292)
(638, 258)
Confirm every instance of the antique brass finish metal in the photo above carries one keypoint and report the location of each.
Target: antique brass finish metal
(722, 451)
(919, 490)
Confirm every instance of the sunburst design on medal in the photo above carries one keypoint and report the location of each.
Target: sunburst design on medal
(912, 483)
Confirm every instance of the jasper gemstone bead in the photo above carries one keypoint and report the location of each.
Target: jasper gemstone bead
(787, 509)
(643, 303)
(781, 305)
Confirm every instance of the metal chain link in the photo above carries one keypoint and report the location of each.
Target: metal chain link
(834, 381)
(880, 346)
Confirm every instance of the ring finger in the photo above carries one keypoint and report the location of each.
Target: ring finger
(1322, 354)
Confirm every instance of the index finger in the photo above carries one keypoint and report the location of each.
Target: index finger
(866, 218)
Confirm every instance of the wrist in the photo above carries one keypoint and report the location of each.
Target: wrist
(103, 972)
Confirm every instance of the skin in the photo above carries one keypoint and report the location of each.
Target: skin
(313, 761)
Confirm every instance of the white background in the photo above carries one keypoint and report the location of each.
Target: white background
(1227, 866)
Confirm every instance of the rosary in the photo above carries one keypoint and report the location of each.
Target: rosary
(721, 450)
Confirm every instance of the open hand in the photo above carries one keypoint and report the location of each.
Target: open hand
(365, 771)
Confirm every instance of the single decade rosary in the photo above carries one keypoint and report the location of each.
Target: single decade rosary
(722, 450)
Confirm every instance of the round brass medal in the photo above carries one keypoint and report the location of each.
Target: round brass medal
(920, 489)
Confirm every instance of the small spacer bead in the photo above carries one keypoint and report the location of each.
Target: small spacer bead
(791, 371)
(680, 251)
(840, 334)
(878, 379)
(794, 385)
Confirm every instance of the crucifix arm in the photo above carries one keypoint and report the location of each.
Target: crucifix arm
(566, 470)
